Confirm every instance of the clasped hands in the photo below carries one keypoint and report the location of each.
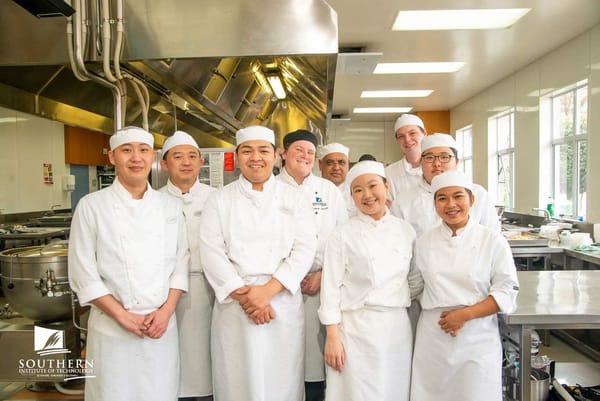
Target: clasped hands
(256, 303)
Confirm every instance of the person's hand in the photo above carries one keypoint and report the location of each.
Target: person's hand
(256, 299)
(334, 354)
(239, 293)
(156, 322)
(132, 322)
(311, 283)
(452, 321)
(263, 316)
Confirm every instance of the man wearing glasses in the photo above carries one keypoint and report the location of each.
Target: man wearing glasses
(439, 154)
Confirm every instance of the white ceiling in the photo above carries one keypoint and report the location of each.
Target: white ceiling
(490, 55)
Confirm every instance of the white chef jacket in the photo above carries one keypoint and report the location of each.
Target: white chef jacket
(247, 238)
(134, 250)
(344, 188)
(367, 282)
(418, 208)
(329, 210)
(461, 271)
(194, 309)
(402, 177)
(366, 264)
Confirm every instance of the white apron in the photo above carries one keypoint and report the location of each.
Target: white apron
(194, 309)
(314, 364)
(375, 340)
(264, 362)
(125, 365)
(466, 367)
(193, 316)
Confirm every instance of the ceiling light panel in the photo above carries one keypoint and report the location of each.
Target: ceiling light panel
(426, 20)
(366, 110)
(395, 93)
(418, 68)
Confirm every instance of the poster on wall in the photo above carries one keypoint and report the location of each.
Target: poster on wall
(48, 175)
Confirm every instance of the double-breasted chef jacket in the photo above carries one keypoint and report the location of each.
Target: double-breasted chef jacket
(135, 250)
(461, 271)
(247, 238)
(194, 309)
(329, 210)
(367, 283)
(402, 177)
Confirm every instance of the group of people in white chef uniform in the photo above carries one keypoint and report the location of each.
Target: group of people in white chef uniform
(285, 287)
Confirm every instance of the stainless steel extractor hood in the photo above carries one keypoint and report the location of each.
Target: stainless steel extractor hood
(204, 64)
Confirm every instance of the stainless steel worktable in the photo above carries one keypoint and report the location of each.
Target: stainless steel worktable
(564, 299)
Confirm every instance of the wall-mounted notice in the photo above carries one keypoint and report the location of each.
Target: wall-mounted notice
(48, 174)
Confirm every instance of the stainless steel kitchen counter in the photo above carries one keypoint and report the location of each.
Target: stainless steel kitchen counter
(590, 257)
(561, 299)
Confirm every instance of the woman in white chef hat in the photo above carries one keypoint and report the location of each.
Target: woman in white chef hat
(469, 276)
(365, 290)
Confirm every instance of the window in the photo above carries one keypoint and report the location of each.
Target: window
(501, 128)
(464, 140)
(568, 110)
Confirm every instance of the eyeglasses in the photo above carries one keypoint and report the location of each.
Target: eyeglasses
(443, 158)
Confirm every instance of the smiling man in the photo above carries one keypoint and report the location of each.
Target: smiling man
(258, 241)
(405, 174)
(329, 208)
(182, 160)
(128, 259)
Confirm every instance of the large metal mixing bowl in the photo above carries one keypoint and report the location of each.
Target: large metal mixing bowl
(35, 282)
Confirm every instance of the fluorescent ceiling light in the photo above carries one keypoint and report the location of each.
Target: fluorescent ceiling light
(381, 110)
(425, 20)
(277, 86)
(396, 93)
(417, 68)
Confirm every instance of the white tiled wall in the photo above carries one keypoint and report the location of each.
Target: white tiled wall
(572, 62)
(26, 143)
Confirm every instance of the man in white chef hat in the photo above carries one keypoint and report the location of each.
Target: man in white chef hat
(128, 259)
(334, 163)
(439, 154)
(256, 249)
(405, 174)
(182, 160)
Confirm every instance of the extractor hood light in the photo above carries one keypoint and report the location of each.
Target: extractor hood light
(418, 68)
(396, 93)
(277, 86)
(366, 110)
(425, 20)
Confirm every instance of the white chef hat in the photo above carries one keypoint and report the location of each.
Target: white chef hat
(333, 147)
(408, 119)
(254, 132)
(365, 167)
(179, 138)
(438, 140)
(130, 134)
(453, 178)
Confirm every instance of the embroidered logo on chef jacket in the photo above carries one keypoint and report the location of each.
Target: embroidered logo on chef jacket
(319, 204)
